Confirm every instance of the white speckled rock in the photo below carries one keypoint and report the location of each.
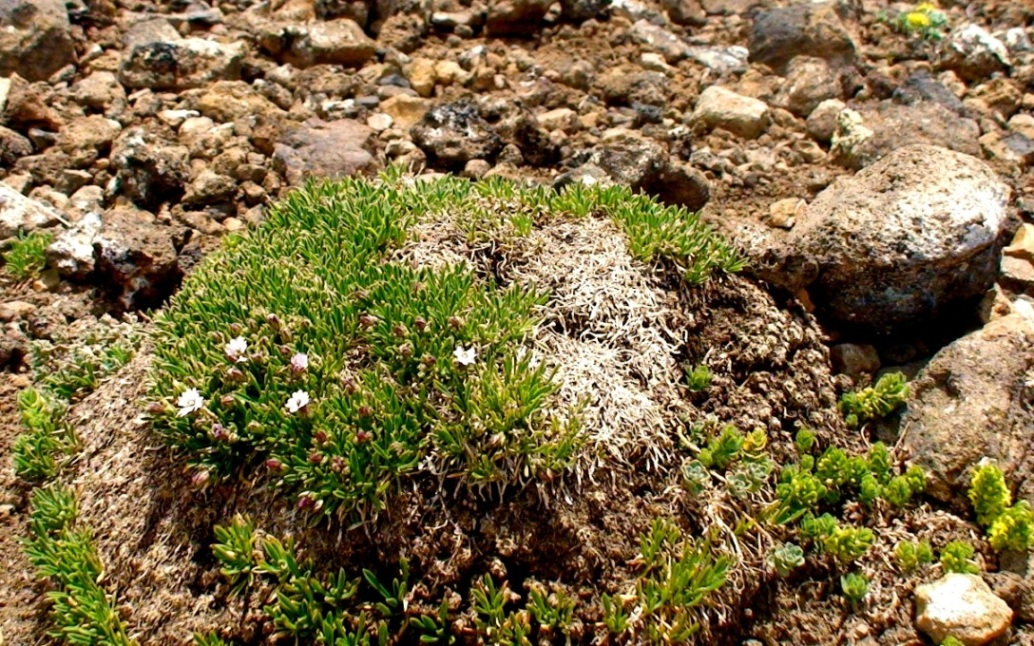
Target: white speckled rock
(961, 606)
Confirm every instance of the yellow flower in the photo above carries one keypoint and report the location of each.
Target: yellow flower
(925, 7)
(917, 20)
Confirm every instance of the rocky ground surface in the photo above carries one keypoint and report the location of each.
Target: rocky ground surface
(882, 180)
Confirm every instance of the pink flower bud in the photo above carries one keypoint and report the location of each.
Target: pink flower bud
(274, 465)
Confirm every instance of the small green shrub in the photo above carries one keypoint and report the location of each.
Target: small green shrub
(785, 558)
(63, 554)
(957, 556)
(855, 586)
(951, 640)
(804, 440)
(875, 402)
(909, 555)
(847, 544)
(698, 378)
(27, 255)
(47, 442)
(1013, 529)
(1009, 527)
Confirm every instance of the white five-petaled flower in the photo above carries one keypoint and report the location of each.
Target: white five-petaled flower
(189, 402)
(298, 401)
(299, 362)
(465, 356)
(236, 348)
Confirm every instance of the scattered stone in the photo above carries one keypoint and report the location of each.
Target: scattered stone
(180, 63)
(421, 75)
(973, 53)
(809, 82)
(229, 100)
(822, 122)
(379, 122)
(685, 12)
(454, 133)
(210, 188)
(336, 42)
(581, 10)
(720, 60)
(681, 185)
(515, 17)
(325, 149)
(622, 88)
(148, 170)
(86, 138)
(15, 311)
(673, 48)
(35, 38)
(854, 360)
(865, 136)
(784, 213)
(136, 258)
(13, 146)
(1022, 245)
(961, 606)
(405, 111)
(20, 214)
(99, 91)
(903, 240)
(812, 28)
(718, 107)
(922, 87)
(71, 253)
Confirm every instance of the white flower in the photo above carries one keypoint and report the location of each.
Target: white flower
(465, 356)
(299, 362)
(298, 401)
(190, 401)
(236, 348)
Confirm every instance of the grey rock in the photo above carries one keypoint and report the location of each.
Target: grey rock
(922, 87)
(901, 241)
(325, 149)
(98, 91)
(148, 170)
(886, 126)
(680, 184)
(35, 38)
(335, 42)
(660, 40)
(174, 63)
(971, 403)
(622, 88)
(71, 253)
(809, 82)
(814, 29)
(454, 133)
(84, 139)
(579, 10)
(973, 53)
(961, 606)
(20, 214)
(210, 188)
(720, 60)
(822, 122)
(13, 146)
(685, 12)
(135, 257)
(854, 360)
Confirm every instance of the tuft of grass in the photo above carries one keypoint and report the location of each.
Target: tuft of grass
(406, 371)
(83, 612)
(27, 255)
(39, 452)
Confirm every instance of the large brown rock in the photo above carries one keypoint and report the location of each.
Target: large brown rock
(809, 28)
(902, 241)
(973, 401)
(35, 38)
(325, 149)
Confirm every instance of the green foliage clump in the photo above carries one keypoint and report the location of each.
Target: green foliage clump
(47, 442)
(698, 377)
(308, 346)
(875, 402)
(804, 440)
(847, 544)
(951, 640)
(27, 255)
(676, 576)
(71, 369)
(957, 556)
(855, 586)
(909, 555)
(82, 611)
(1009, 526)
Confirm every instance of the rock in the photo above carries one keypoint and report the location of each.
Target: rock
(454, 133)
(19, 214)
(421, 75)
(681, 185)
(1023, 124)
(16, 311)
(809, 82)
(973, 53)
(1022, 245)
(784, 213)
(854, 360)
(28, 106)
(71, 253)
(13, 146)
(98, 91)
(1011, 148)
(864, 137)
(685, 12)
(720, 60)
(136, 258)
(559, 119)
(230, 100)
(515, 17)
(336, 42)
(822, 122)
(922, 87)
(35, 38)
(659, 39)
(148, 170)
(406, 111)
(812, 28)
(622, 88)
(903, 240)
(325, 149)
(1017, 274)
(210, 188)
(180, 63)
(86, 138)
(718, 107)
(961, 606)
(581, 10)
